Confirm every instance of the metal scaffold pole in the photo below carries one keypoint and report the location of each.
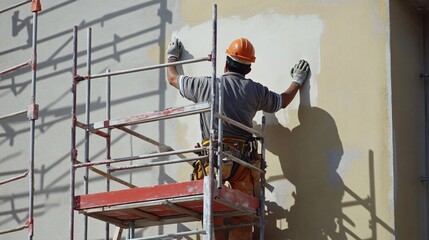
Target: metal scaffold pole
(108, 139)
(88, 121)
(262, 183)
(73, 152)
(210, 230)
(32, 115)
(209, 179)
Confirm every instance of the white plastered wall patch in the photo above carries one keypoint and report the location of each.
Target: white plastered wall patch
(280, 41)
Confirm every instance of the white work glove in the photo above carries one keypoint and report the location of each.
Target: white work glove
(174, 49)
(300, 72)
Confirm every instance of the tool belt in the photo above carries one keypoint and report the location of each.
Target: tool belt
(246, 150)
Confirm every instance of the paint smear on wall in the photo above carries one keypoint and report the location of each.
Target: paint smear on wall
(280, 41)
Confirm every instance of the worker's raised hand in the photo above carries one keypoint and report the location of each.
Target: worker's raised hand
(300, 72)
(174, 49)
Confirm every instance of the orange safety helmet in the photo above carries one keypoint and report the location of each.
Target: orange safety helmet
(241, 50)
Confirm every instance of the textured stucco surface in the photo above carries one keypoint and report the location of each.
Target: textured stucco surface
(330, 153)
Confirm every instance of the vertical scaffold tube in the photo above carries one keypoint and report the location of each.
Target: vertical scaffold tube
(73, 152)
(263, 167)
(88, 121)
(220, 132)
(209, 179)
(32, 129)
(108, 140)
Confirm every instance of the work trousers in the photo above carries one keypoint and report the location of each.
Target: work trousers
(244, 182)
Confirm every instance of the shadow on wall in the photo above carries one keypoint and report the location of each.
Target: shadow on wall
(309, 157)
(57, 57)
(58, 62)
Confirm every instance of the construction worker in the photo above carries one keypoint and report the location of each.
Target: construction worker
(243, 98)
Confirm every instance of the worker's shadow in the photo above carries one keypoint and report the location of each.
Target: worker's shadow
(309, 156)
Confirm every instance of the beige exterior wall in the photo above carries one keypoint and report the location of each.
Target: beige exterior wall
(337, 167)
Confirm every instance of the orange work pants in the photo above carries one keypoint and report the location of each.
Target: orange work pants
(242, 181)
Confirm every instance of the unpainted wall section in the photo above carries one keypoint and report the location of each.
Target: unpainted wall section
(329, 157)
(329, 154)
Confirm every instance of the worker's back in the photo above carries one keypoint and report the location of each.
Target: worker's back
(242, 99)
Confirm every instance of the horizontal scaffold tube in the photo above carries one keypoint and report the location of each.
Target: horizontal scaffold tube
(14, 229)
(14, 68)
(239, 161)
(162, 154)
(147, 68)
(109, 176)
(152, 164)
(13, 114)
(15, 178)
(240, 125)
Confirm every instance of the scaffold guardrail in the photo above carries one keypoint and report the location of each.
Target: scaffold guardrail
(208, 187)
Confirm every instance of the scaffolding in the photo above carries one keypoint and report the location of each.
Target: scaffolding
(173, 203)
(32, 115)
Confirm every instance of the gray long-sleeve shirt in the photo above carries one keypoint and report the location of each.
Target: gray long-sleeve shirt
(242, 99)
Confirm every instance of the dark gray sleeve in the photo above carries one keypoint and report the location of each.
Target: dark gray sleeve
(269, 101)
(196, 89)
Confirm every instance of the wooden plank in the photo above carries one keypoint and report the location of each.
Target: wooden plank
(138, 195)
(146, 204)
(164, 204)
(144, 196)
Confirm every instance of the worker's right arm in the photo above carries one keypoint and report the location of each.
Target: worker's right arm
(172, 74)
(174, 51)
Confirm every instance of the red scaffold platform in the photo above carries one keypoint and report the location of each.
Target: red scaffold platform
(164, 204)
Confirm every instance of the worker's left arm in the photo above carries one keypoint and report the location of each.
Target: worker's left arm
(289, 94)
(174, 51)
(299, 73)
